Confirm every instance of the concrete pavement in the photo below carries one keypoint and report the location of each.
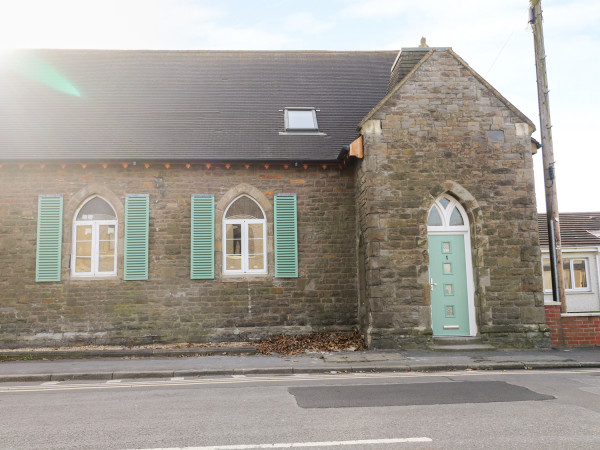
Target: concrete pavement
(223, 361)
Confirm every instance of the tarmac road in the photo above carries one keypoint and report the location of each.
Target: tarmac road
(477, 409)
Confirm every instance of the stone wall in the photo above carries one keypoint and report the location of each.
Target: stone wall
(445, 131)
(169, 306)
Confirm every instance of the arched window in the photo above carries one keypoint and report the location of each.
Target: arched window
(94, 239)
(244, 237)
(447, 214)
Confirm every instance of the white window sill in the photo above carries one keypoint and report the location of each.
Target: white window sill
(581, 314)
(98, 278)
(551, 303)
(573, 291)
(232, 278)
(301, 133)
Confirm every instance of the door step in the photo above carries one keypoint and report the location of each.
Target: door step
(460, 344)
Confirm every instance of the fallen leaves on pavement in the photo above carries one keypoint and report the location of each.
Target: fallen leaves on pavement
(314, 342)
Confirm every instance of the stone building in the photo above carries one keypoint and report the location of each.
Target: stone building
(160, 196)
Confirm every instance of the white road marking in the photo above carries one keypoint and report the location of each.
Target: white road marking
(113, 381)
(177, 378)
(53, 385)
(304, 444)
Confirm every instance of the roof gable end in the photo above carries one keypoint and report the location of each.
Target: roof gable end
(462, 62)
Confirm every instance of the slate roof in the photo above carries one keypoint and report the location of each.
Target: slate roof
(575, 229)
(184, 105)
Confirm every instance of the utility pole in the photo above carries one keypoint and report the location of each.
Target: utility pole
(556, 267)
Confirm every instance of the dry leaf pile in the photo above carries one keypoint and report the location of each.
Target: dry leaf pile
(314, 342)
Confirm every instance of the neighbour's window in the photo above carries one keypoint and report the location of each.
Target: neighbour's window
(575, 274)
(301, 119)
(94, 239)
(245, 237)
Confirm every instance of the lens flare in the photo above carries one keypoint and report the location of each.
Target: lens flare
(38, 70)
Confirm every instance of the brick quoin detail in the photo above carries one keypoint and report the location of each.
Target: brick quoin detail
(574, 331)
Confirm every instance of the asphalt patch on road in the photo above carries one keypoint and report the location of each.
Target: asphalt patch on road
(413, 394)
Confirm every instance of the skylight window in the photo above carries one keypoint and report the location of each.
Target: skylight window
(301, 119)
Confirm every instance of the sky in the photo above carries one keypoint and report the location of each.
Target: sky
(493, 36)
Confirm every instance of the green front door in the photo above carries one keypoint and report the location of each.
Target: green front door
(448, 281)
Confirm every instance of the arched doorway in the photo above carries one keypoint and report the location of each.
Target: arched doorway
(450, 269)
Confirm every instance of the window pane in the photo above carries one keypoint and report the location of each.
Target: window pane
(567, 274)
(83, 264)
(107, 240)
(579, 273)
(255, 246)
(233, 262)
(84, 233)
(255, 230)
(434, 218)
(256, 262)
(244, 208)
(301, 119)
(547, 274)
(84, 241)
(96, 209)
(456, 218)
(444, 202)
(83, 249)
(106, 264)
(233, 244)
(107, 232)
(255, 238)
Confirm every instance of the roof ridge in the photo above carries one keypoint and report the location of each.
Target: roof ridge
(142, 50)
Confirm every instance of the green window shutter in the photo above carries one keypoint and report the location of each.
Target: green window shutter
(49, 238)
(137, 209)
(286, 236)
(202, 257)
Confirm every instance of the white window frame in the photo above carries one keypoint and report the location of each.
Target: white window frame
(95, 224)
(446, 213)
(588, 288)
(315, 126)
(244, 241)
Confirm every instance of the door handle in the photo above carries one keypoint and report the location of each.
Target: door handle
(431, 283)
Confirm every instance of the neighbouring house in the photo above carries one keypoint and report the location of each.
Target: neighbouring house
(160, 196)
(580, 241)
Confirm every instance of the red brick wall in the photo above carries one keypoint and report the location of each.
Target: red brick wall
(572, 331)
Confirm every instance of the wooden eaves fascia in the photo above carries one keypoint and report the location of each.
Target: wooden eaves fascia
(499, 96)
(167, 164)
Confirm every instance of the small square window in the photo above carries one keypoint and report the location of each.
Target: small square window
(301, 119)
